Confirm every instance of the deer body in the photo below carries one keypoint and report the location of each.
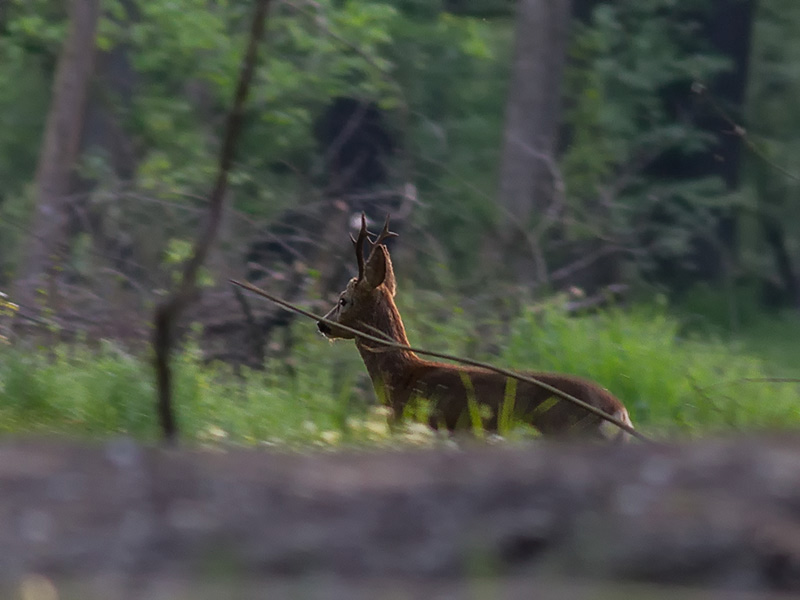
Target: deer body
(399, 375)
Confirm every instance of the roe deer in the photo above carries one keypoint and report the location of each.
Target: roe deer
(398, 375)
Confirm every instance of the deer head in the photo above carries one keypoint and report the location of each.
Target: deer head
(375, 281)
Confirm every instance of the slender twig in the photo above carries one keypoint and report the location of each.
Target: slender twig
(467, 361)
(168, 311)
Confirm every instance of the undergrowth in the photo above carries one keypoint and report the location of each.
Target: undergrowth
(673, 384)
(670, 382)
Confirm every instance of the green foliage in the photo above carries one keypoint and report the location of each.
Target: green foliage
(772, 125)
(775, 74)
(442, 77)
(15, 211)
(673, 385)
(178, 252)
(30, 37)
(7, 312)
(28, 43)
(81, 392)
(616, 82)
(409, 58)
(455, 74)
(36, 26)
(185, 57)
(629, 66)
(735, 316)
(76, 390)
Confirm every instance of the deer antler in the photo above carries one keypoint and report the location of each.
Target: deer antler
(363, 235)
(358, 244)
(383, 235)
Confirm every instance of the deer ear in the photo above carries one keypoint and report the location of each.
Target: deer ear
(376, 267)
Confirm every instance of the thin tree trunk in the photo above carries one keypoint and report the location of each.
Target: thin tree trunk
(532, 116)
(47, 240)
(169, 310)
(775, 237)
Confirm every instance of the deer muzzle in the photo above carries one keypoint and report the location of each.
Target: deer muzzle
(329, 330)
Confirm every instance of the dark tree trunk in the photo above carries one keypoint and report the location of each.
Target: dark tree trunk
(775, 237)
(526, 183)
(729, 30)
(727, 27)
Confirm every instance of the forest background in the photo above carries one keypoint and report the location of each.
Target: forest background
(602, 188)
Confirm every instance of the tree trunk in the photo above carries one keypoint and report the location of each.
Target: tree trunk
(532, 120)
(47, 240)
(774, 235)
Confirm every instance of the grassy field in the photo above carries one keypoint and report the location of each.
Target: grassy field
(676, 380)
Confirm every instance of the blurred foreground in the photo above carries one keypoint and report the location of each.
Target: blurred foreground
(119, 520)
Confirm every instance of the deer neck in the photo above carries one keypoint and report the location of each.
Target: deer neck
(388, 368)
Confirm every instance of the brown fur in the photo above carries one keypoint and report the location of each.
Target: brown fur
(399, 376)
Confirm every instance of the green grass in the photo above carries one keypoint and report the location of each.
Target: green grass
(674, 383)
(670, 382)
(75, 391)
(739, 318)
(776, 340)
